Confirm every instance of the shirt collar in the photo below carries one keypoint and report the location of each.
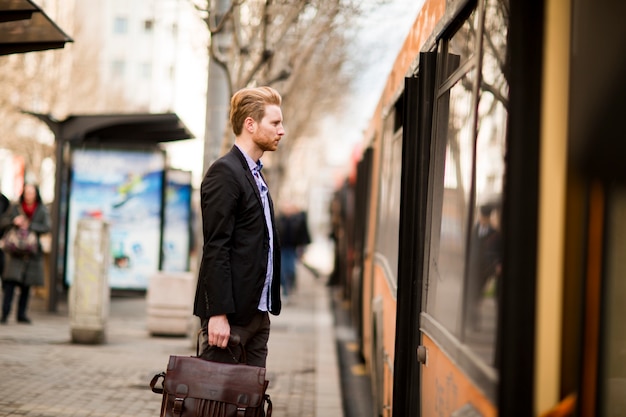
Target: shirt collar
(253, 166)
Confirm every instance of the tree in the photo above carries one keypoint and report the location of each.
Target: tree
(25, 86)
(297, 46)
(57, 82)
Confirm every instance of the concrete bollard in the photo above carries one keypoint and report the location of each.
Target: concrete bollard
(170, 303)
(89, 295)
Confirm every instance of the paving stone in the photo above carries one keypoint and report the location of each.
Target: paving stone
(44, 374)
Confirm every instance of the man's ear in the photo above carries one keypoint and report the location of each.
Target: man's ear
(249, 124)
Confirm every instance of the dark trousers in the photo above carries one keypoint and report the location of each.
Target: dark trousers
(8, 289)
(254, 337)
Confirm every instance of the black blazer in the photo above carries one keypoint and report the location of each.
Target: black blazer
(236, 240)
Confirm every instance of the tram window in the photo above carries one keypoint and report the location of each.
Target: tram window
(388, 223)
(483, 282)
(445, 294)
(495, 53)
(463, 43)
(398, 113)
(485, 242)
(465, 245)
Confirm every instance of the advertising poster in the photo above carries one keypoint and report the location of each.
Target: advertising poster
(125, 189)
(177, 221)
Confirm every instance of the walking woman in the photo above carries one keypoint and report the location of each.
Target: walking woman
(24, 271)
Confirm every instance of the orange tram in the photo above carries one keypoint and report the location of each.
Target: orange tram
(482, 239)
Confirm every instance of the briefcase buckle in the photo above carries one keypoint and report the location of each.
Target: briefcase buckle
(177, 408)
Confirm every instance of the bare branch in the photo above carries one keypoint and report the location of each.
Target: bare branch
(298, 47)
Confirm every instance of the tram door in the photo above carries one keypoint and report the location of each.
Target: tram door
(462, 131)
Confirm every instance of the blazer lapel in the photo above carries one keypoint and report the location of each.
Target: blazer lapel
(248, 174)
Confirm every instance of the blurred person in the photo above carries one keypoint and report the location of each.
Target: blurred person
(485, 262)
(239, 275)
(4, 205)
(336, 235)
(27, 270)
(294, 236)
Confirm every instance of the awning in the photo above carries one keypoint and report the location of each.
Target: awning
(24, 27)
(116, 129)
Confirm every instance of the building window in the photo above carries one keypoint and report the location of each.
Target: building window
(148, 25)
(146, 70)
(117, 68)
(120, 25)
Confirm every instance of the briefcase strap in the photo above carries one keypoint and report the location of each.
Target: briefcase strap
(182, 391)
(269, 406)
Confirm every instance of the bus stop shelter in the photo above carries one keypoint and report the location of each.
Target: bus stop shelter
(128, 130)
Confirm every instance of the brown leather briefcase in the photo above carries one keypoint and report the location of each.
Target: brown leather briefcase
(194, 387)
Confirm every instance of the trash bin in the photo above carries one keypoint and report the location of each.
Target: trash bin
(170, 303)
(89, 295)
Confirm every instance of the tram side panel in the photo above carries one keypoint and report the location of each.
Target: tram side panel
(459, 327)
(459, 200)
(458, 309)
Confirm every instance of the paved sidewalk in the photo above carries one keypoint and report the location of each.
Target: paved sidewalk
(45, 375)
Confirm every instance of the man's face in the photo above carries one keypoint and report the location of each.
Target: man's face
(270, 129)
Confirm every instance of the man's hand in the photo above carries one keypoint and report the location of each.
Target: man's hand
(218, 330)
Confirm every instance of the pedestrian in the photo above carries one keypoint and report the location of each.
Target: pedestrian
(239, 276)
(294, 236)
(485, 263)
(4, 205)
(24, 271)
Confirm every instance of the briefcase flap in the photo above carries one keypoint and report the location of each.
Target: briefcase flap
(193, 377)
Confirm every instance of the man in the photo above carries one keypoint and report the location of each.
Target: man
(485, 262)
(294, 236)
(239, 277)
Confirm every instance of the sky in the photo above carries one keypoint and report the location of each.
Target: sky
(379, 40)
(379, 37)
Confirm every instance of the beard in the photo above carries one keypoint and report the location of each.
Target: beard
(266, 143)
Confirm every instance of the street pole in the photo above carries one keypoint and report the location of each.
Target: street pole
(217, 107)
(217, 98)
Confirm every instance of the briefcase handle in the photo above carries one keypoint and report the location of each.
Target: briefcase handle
(154, 381)
(233, 341)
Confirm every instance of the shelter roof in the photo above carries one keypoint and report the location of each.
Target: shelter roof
(24, 27)
(117, 129)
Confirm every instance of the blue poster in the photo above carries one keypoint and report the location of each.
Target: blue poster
(125, 189)
(177, 221)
